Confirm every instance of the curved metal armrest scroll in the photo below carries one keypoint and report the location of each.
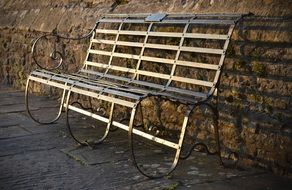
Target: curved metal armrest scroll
(55, 55)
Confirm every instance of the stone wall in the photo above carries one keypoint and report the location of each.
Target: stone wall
(255, 102)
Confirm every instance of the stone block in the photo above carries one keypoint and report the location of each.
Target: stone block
(28, 19)
(8, 18)
(48, 19)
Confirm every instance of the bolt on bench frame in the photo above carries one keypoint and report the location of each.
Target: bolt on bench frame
(129, 92)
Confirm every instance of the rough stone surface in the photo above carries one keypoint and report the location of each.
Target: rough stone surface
(36, 156)
(255, 102)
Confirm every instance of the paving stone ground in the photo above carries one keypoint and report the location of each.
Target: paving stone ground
(34, 156)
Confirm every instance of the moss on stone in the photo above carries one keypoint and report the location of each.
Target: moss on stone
(229, 98)
(230, 50)
(256, 97)
(239, 65)
(259, 69)
(269, 108)
(171, 187)
(257, 54)
(121, 2)
(279, 116)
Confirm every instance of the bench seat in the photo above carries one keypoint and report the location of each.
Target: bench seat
(118, 87)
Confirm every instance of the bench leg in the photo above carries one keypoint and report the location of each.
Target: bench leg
(216, 135)
(177, 153)
(85, 143)
(216, 132)
(29, 112)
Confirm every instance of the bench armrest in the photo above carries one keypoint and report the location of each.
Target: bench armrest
(56, 55)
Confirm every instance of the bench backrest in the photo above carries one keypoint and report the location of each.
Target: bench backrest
(179, 53)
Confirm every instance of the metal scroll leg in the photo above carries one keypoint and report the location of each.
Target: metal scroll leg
(90, 114)
(29, 112)
(108, 125)
(216, 136)
(216, 133)
(177, 147)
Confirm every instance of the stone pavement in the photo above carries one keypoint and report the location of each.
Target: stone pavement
(36, 156)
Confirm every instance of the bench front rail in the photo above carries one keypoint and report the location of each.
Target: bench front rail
(132, 57)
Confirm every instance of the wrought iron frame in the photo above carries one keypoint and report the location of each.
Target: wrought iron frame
(72, 84)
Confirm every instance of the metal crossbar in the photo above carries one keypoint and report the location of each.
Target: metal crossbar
(178, 46)
(157, 46)
(163, 34)
(141, 21)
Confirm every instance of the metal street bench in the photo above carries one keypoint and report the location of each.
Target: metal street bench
(172, 57)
